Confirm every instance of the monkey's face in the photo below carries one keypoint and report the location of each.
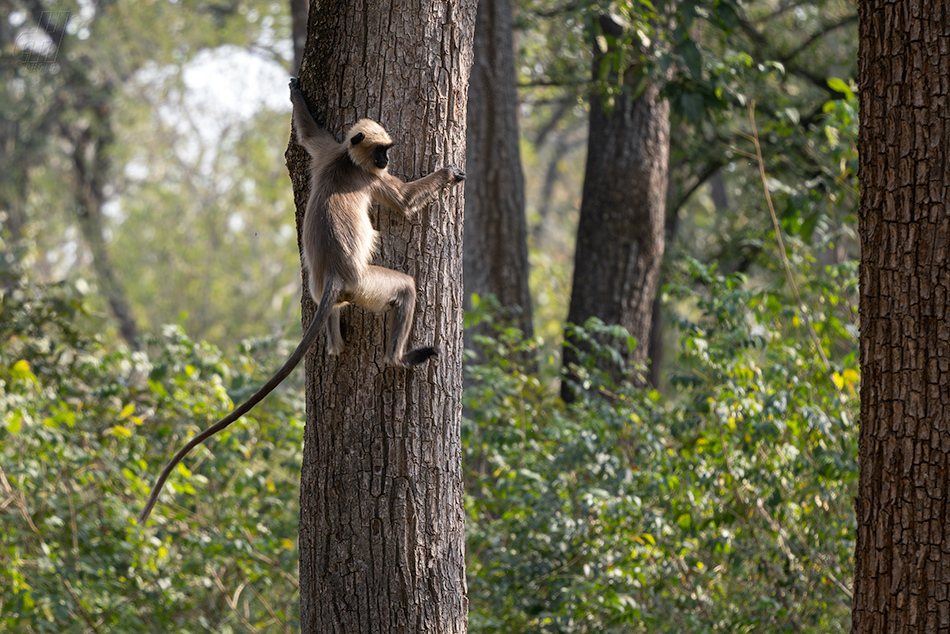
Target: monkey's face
(368, 145)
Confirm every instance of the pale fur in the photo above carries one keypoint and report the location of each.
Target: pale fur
(374, 135)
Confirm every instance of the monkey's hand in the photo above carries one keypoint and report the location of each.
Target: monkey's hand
(455, 174)
(294, 84)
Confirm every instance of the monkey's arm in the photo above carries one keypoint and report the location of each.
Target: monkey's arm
(311, 135)
(410, 197)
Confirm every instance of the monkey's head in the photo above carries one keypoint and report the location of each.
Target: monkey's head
(367, 143)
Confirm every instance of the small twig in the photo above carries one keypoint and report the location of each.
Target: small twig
(748, 155)
(20, 503)
(754, 137)
(267, 606)
(233, 601)
(74, 527)
(828, 28)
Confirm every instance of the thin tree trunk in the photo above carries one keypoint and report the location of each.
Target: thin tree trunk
(299, 12)
(92, 165)
(496, 250)
(902, 559)
(381, 509)
(620, 235)
(13, 178)
(720, 198)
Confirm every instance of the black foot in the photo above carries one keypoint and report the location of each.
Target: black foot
(419, 355)
(457, 175)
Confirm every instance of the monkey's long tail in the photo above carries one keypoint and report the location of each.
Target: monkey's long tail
(331, 290)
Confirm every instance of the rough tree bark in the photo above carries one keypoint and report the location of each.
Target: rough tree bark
(620, 235)
(381, 514)
(496, 250)
(902, 559)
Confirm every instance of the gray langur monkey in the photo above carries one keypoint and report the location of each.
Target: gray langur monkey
(338, 244)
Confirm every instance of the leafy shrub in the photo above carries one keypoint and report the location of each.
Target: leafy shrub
(725, 508)
(83, 432)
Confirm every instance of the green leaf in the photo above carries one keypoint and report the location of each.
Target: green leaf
(840, 86)
(15, 422)
(691, 57)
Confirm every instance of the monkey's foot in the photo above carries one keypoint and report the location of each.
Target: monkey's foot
(415, 357)
(457, 175)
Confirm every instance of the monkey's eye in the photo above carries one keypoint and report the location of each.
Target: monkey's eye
(357, 138)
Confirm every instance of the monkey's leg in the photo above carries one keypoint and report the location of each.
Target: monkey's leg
(402, 308)
(381, 290)
(334, 335)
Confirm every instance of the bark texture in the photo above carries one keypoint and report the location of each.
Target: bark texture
(902, 554)
(381, 513)
(496, 250)
(620, 235)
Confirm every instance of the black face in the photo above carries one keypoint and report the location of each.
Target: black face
(380, 158)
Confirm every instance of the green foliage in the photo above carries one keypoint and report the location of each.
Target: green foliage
(209, 239)
(715, 58)
(725, 509)
(83, 432)
(184, 188)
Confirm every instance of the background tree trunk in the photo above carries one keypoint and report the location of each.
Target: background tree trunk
(381, 512)
(90, 137)
(299, 11)
(13, 181)
(620, 234)
(496, 250)
(92, 164)
(902, 563)
(674, 200)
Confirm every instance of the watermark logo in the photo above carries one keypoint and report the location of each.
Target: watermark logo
(39, 46)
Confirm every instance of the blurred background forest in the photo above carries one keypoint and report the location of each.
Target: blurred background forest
(149, 278)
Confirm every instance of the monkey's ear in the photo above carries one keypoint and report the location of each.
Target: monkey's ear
(357, 138)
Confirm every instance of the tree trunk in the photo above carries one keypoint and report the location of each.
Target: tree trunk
(496, 250)
(620, 235)
(674, 200)
(92, 166)
(381, 510)
(13, 182)
(299, 12)
(902, 559)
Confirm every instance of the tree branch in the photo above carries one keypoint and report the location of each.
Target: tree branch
(43, 19)
(818, 35)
